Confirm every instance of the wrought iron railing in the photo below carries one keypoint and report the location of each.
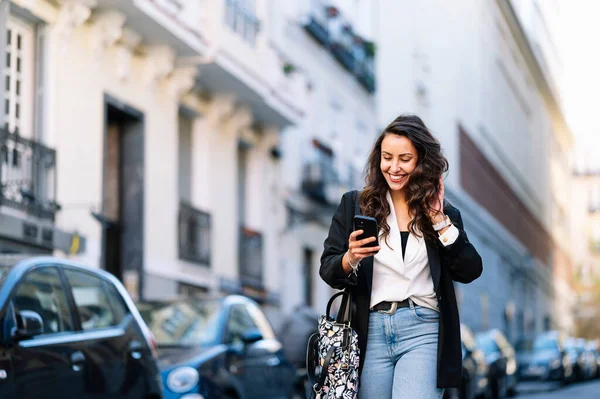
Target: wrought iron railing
(320, 180)
(194, 234)
(27, 170)
(251, 257)
(241, 19)
(328, 27)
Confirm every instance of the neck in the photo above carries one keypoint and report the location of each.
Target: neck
(398, 196)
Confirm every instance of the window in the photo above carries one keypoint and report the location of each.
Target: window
(241, 18)
(239, 323)
(19, 77)
(41, 292)
(261, 321)
(92, 301)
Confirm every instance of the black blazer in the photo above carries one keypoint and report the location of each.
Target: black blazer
(457, 262)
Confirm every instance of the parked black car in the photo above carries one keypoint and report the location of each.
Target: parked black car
(502, 363)
(71, 332)
(544, 358)
(475, 370)
(583, 359)
(294, 333)
(218, 348)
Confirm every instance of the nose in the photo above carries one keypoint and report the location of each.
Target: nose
(395, 167)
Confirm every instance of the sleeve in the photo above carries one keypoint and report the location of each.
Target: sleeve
(450, 236)
(462, 258)
(334, 248)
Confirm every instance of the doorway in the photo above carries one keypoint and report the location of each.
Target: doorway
(123, 195)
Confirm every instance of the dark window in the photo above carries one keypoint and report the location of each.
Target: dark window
(308, 276)
(92, 301)
(239, 323)
(41, 291)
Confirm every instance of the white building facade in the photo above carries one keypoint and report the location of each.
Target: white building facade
(478, 74)
(165, 117)
(324, 155)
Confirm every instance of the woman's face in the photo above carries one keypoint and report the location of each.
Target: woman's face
(399, 159)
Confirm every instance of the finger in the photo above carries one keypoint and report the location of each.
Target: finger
(355, 234)
(365, 241)
(365, 250)
(367, 254)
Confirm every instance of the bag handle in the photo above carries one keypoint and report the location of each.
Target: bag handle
(344, 314)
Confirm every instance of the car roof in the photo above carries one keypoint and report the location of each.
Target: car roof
(227, 300)
(20, 264)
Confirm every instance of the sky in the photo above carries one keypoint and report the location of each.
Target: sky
(578, 42)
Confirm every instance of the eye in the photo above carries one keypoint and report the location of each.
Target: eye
(387, 158)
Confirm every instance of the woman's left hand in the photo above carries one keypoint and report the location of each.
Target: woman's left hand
(436, 212)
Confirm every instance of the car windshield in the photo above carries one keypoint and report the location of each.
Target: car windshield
(545, 344)
(189, 323)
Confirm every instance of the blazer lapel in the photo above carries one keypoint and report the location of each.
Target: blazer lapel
(433, 255)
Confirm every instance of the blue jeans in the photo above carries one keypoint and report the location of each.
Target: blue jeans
(401, 356)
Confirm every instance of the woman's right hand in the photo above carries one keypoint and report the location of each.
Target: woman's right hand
(357, 251)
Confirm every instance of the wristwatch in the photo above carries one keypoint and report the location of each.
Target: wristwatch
(442, 224)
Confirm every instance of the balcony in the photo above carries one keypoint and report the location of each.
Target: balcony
(194, 234)
(251, 258)
(356, 55)
(318, 21)
(27, 171)
(173, 23)
(320, 181)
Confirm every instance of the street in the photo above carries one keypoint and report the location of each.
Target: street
(585, 390)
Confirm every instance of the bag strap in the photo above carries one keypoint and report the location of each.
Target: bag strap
(317, 387)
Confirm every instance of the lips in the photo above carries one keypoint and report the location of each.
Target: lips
(396, 178)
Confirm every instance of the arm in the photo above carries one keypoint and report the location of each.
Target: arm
(334, 256)
(463, 261)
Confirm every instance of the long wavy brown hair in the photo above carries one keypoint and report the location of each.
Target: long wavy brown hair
(423, 184)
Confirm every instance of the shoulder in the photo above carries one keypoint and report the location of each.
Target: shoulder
(350, 196)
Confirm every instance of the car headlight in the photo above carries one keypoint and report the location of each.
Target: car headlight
(182, 379)
(555, 363)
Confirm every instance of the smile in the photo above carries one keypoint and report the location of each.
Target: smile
(396, 178)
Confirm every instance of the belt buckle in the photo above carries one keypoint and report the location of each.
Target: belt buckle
(392, 309)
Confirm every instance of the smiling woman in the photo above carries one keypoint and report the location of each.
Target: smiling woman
(403, 286)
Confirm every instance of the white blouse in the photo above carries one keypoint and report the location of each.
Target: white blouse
(396, 279)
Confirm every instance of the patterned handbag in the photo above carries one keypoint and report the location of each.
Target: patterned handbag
(332, 357)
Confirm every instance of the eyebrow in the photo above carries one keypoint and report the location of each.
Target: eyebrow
(406, 153)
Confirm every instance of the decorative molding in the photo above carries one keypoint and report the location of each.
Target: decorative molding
(108, 29)
(71, 15)
(130, 40)
(182, 80)
(221, 107)
(160, 63)
(240, 120)
(28, 4)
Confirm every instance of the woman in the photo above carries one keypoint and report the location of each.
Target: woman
(405, 310)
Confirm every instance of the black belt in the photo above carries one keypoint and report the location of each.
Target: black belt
(390, 307)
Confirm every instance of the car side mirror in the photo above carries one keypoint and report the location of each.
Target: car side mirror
(251, 336)
(29, 324)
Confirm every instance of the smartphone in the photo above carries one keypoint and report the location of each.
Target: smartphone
(369, 227)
